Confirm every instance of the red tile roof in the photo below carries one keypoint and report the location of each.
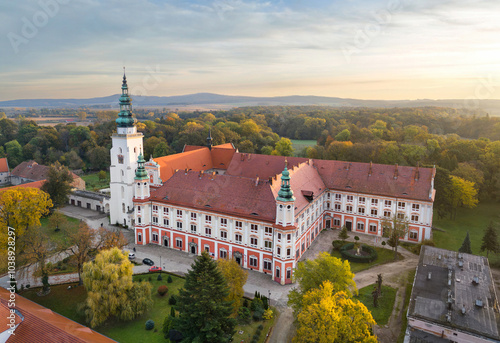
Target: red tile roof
(4, 166)
(265, 166)
(35, 184)
(377, 179)
(222, 193)
(304, 180)
(34, 171)
(41, 325)
(198, 159)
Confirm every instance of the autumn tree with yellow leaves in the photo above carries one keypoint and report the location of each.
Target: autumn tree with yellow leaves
(236, 278)
(333, 317)
(111, 291)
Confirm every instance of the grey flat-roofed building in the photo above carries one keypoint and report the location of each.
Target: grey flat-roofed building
(453, 298)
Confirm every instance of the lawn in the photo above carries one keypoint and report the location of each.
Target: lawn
(92, 182)
(384, 256)
(382, 313)
(65, 302)
(50, 231)
(472, 220)
(298, 144)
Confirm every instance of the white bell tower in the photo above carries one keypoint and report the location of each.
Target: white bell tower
(126, 147)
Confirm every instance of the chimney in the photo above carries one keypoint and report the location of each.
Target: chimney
(201, 174)
(213, 175)
(370, 170)
(257, 181)
(271, 180)
(186, 171)
(396, 172)
(249, 156)
(242, 157)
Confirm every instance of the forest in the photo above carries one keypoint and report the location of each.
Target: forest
(464, 148)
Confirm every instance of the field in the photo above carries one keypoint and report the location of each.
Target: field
(298, 145)
(66, 302)
(472, 220)
(92, 182)
(382, 313)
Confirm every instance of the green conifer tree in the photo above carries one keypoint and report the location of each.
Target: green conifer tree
(204, 316)
(466, 245)
(490, 240)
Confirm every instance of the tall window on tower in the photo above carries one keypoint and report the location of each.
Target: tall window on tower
(120, 159)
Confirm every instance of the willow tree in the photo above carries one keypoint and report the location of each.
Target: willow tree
(111, 291)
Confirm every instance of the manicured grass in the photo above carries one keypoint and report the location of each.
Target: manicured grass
(92, 182)
(472, 220)
(250, 329)
(384, 256)
(298, 144)
(50, 231)
(66, 302)
(382, 313)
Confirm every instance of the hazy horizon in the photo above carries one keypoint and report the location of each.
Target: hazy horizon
(360, 49)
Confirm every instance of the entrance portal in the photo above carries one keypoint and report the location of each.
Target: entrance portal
(193, 249)
(328, 224)
(348, 225)
(238, 260)
(165, 242)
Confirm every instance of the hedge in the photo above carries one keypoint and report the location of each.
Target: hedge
(346, 254)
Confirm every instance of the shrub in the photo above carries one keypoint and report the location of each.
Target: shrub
(149, 278)
(384, 243)
(356, 238)
(337, 244)
(265, 302)
(159, 278)
(245, 302)
(346, 253)
(268, 314)
(256, 304)
(172, 300)
(150, 325)
(258, 314)
(169, 279)
(162, 290)
(254, 340)
(260, 327)
(244, 315)
(255, 337)
(167, 325)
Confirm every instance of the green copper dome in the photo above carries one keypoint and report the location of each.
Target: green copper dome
(285, 193)
(141, 173)
(125, 116)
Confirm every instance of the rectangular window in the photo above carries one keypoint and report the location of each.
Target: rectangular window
(348, 208)
(208, 231)
(155, 237)
(193, 228)
(193, 216)
(288, 273)
(336, 222)
(361, 227)
(413, 235)
(401, 205)
(139, 220)
(338, 207)
(179, 213)
(373, 228)
(388, 203)
(338, 197)
(415, 207)
(268, 245)
(223, 235)
(208, 219)
(223, 222)
(165, 211)
(253, 228)
(155, 220)
(374, 212)
(327, 205)
(253, 261)
(361, 210)
(238, 225)
(387, 214)
(350, 198)
(297, 253)
(138, 209)
(178, 243)
(401, 216)
(288, 253)
(289, 237)
(374, 202)
(362, 200)
(278, 251)
(253, 242)
(179, 225)
(165, 222)
(223, 253)
(237, 238)
(414, 218)
(279, 237)
(268, 265)
(155, 209)
(328, 195)
(268, 231)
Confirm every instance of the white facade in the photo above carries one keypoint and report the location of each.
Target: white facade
(127, 145)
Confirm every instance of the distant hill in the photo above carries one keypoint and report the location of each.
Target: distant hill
(490, 106)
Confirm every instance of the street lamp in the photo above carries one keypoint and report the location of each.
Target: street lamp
(269, 291)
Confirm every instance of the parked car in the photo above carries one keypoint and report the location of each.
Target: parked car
(155, 269)
(131, 256)
(148, 262)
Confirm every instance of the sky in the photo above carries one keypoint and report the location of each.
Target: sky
(363, 49)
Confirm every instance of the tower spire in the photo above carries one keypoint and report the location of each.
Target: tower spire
(141, 173)
(209, 139)
(125, 119)
(285, 193)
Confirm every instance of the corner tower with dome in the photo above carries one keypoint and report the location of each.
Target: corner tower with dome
(126, 148)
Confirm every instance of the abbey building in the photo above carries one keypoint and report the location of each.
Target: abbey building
(263, 211)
